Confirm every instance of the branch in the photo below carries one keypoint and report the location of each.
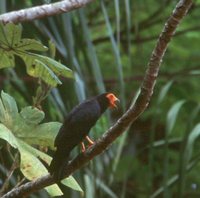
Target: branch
(14, 166)
(46, 10)
(130, 116)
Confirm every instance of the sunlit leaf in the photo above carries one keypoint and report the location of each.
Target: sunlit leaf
(25, 124)
(32, 168)
(58, 68)
(38, 69)
(8, 109)
(6, 134)
(32, 115)
(30, 44)
(38, 66)
(30, 165)
(37, 153)
(72, 183)
(43, 134)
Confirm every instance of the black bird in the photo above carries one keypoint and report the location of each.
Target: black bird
(76, 128)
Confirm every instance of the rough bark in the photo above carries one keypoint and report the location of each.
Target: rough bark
(42, 11)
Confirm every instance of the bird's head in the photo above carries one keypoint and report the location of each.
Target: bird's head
(112, 100)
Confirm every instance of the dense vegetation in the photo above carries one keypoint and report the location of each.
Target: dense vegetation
(106, 46)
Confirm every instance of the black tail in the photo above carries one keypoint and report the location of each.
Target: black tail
(58, 164)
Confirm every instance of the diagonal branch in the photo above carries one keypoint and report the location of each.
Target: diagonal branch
(46, 10)
(130, 116)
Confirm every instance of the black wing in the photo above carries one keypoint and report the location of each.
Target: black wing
(78, 124)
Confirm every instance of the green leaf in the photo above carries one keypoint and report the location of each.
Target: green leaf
(32, 168)
(8, 109)
(72, 183)
(56, 67)
(172, 115)
(24, 126)
(43, 134)
(6, 59)
(30, 44)
(9, 104)
(37, 153)
(6, 134)
(10, 34)
(30, 165)
(32, 115)
(164, 91)
(3, 40)
(13, 33)
(54, 190)
(190, 143)
(37, 68)
(52, 49)
(10, 39)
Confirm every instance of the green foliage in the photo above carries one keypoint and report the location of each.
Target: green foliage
(172, 115)
(39, 66)
(23, 129)
(108, 45)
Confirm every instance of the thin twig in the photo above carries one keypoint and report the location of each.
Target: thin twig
(20, 182)
(130, 116)
(10, 173)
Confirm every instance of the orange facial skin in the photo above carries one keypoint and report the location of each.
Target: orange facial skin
(112, 99)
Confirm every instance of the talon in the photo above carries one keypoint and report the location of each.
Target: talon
(83, 147)
(89, 141)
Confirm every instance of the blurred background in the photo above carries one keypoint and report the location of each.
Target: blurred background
(108, 44)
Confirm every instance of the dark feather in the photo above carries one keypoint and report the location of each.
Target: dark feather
(74, 129)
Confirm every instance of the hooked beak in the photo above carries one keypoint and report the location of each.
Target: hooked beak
(115, 103)
(113, 100)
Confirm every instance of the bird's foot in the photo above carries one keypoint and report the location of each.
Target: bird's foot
(83, 147)
(91, 142)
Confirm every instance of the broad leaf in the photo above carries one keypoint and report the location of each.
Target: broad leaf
(38, 69)
(10, 34)
(6, 59)
(32, 168)
(58, 68)
(16, 127)
(25, 124)
(30, 165)
(30, 44)
(37, 153)
(13, 34)
(32, 115)
(8, 109)
(43, 134)
(38, 66)
(6, 134)
(71, 182)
